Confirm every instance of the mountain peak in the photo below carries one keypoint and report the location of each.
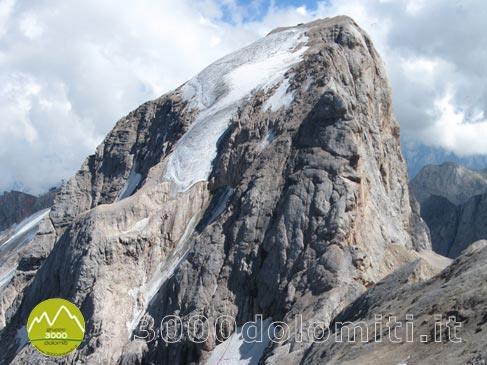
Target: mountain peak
(449, 180)
(270, 183)
(340, 20)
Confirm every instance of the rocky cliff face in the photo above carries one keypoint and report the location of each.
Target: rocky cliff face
(453, 205)
(453, 182)
(272, 183)
(23, 218)
(15, 206)
(458, 291)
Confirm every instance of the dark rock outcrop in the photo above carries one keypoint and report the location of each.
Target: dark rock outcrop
(15, 206)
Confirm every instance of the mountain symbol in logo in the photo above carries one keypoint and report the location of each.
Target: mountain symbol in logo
(45, 317)
(56, 327)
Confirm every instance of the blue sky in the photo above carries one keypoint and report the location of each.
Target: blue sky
(257, 9)
(70, 70)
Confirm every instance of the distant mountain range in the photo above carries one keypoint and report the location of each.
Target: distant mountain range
(419, 155)
(453, 202)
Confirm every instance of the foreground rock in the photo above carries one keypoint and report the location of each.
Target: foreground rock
(459, 291)
(272, 183)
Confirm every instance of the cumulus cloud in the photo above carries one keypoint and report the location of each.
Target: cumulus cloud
(449, 129)
(69, 70)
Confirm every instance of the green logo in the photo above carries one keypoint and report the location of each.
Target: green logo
(56, 327)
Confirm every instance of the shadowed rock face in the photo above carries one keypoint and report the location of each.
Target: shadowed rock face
(305, 207)
(442, 218)
(453, 205)
(15, 206)
(454, 227)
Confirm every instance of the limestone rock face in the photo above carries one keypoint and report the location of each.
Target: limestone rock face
(270, 184)
(458, 291)
(15, 206)
(442, 218)
(24, 243)
(453, 205)
(454, 227)
(453, 182)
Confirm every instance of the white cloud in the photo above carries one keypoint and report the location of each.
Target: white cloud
(435, 54)
(30, 27)
(6, 7)
(452, 131)
(69, 70)
(301, 10)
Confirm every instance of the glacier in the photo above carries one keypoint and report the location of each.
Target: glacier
(6, 277)
(219, 90)
(27, 225)
(22, 234)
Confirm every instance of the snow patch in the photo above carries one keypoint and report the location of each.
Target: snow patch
(6, 277)
(21, 339)
(219, 90)
(405, 362)
(163, 272)
(131, 184)
(239, 349)
(309, 82)
(28, 224)
(280, 98)
(270, 136)
(221, 205)
(139, 226)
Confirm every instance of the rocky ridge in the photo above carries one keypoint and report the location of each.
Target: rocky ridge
(458, 291)
(23, 218)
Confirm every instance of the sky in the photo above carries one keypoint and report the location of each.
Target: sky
(70, 70)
